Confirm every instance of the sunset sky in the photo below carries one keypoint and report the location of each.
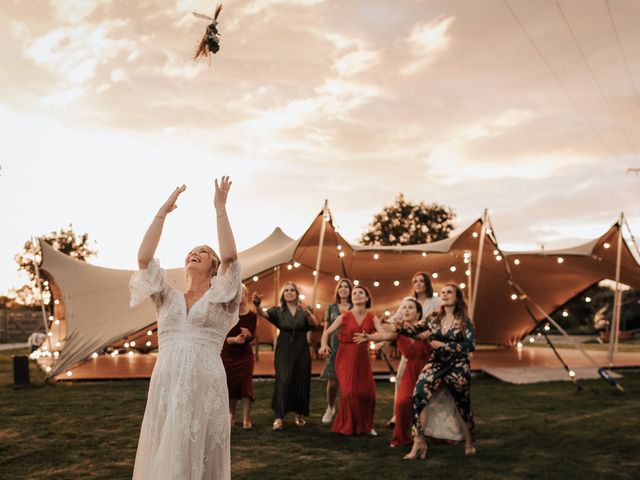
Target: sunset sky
(528, 108)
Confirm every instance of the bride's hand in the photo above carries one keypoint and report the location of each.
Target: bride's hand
(222, 190)
(170, 205)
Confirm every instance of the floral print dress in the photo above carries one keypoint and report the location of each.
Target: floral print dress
(449, 367)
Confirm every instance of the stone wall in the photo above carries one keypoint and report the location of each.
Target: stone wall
(17, 325)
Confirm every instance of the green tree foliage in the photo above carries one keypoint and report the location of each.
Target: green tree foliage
(63, 240)
(581, 309)
(406, 223)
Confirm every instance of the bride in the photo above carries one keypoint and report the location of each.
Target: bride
(185, 430)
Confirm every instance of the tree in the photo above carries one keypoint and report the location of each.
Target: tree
(406, 223)
(65, 241)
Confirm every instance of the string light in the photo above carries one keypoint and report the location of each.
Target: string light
(547, 327)
(587, 299)
(56, 322)
(318, 306)
(463, 285)
(572, 373)
(424, 254)
(289, 267)
(341, 254)
(336, 278)
(434, 274)
(131, 353)
(339, 247)
(466, 260)
(315, 273)
(565, 314)
(356, 283)
(514, 296)
(376, 256)
(46, 283)
(489, 231)
(296, 264)
(133, 343)
(56, 354)
(467, 273)
(58, 344)
(392, 379)
(467, 254)
(606, 245)
(50, 318)
(149, 332)
(387, 313)
(516, 262)
(519, 345)
(498, 257)
(69, 373)
(532, 340)
(372, 345)
(148, 344)
(474, 234)
(496, 252)
(453, 268)
(115, 353)
(50, 334)
(376, 283)
(264, 309)
(302, 296)
(560, 260)
(396, 283)
(47, 368)
(126, 344)
(255, 278)
(56, 302)
(94, 355)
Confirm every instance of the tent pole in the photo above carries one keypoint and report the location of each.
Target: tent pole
(614, 331)
(325, 213)
(470, 285)
(476, 280)
(39, 282)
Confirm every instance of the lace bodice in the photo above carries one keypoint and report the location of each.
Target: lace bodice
(209, 319)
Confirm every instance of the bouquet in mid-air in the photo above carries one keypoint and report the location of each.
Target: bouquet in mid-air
(210, 42)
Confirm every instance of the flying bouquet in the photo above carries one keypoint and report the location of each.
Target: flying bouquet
(210, 42)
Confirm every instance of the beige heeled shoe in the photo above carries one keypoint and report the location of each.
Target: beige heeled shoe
(417, 453)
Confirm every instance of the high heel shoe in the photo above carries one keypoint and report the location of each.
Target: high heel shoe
(419, 454)
(471, 450)
(300, 421)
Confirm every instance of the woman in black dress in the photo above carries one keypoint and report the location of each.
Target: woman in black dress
(292, 359)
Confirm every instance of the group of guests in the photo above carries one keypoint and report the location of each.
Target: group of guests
(432, 391)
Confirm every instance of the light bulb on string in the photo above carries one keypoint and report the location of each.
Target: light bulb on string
(532, 340)
(148, 344)
(560, 260)
(376, 256)
(149, 332)
(94, 355)
(289, 267)
(516, 261)
(341, 254)
(467, 273)
(296, 264)
(302, 296)
(452, 268)
(376, 283)
(315, 273)
(356, 283)
(434, 274)
(396, 283)
(519, 345)
(606, 245)
(424, 254)
(514, 296)
(339, 247)
(336, 278)
(133, 343)
(56, 322)
(463, 285)
(474, 234)
(587, 299)
(255, 278)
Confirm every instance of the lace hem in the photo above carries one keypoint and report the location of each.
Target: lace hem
(145, 283)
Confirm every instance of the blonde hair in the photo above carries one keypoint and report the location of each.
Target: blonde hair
(215, 260)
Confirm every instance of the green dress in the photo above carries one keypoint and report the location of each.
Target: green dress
(449, 367)
(330, 315)
(292, 362)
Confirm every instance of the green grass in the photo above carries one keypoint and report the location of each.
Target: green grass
(545, 431)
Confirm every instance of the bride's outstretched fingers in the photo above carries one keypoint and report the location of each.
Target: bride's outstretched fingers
(170, 205)
(222, 190)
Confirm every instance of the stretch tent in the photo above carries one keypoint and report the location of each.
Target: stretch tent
(92, 310)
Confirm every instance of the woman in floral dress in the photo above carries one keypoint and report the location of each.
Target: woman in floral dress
(450, 334)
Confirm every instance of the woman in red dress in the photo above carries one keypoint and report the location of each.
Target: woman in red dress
(237, 357)
(417, 354)
(353, 367)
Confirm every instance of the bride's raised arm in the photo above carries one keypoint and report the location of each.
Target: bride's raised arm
(152, 237)
(228, 252)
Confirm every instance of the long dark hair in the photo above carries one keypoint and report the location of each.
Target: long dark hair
(428, 288)
(416, 303)
(350, 283)
(460, 309)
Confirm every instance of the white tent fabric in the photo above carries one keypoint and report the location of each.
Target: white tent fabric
(94, 300)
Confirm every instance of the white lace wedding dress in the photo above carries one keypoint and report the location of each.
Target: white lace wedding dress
(185, 431)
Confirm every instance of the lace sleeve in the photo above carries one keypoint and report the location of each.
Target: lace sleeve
(225, 288)
(147, 283)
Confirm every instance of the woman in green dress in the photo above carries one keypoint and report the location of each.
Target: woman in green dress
(334, 310)
(292, 359)
(450, 333)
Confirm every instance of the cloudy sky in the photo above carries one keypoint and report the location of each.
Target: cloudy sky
(528, 108)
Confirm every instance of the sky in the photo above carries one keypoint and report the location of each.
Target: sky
(529, 109)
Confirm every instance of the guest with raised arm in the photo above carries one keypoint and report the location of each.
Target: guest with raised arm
(292, 359)
(185, 431)
(353, 366)
(341, 304)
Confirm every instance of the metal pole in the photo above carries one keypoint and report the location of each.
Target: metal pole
(39, 283)
(614, 331)
(325, 213)
(476, 280)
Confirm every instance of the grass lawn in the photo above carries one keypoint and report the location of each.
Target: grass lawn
(545, 431)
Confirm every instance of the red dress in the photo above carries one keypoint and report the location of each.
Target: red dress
(417, 354)
(353, 370)
(238, 359)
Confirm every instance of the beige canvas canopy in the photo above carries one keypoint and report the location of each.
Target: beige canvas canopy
(94, 311)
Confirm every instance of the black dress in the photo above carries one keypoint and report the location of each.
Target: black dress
(292, 362)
